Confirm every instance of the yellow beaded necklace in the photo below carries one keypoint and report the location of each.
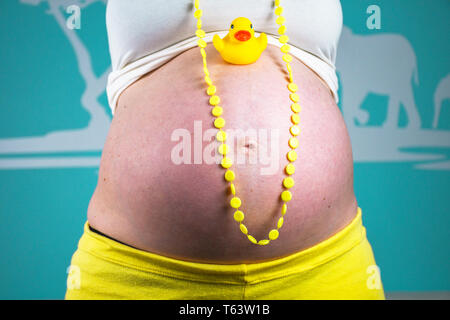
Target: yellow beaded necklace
(221, 136)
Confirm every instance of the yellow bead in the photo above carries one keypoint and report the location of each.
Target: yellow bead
(243, 228)
(295, 107)
(211, 90)
(214, 100)
(196, 4)
(226, 162)
(252, 239)
(288, 67)
(290, 169)
(292, 87)
(219, 123)
(288, 182)
(232, 189)
(286, 196)
(216, 111)
(283, 39)
(295, 130)
(285, 48)
(280, 222)
(199, 23)
(273, 234)
(292, 155)
(295, 118)
(201, 43)
(282, 29)
(263, 242)
(293, 143)
(284, 209)
(279, 11)
(208, 79)
(294, 97)
(287, 57)
(235, 202)
(223, 149)
(200, 33)
(198, 13)
(280, 20)
(238, 216)
(221, 136)
(229, 175)
(277, 3)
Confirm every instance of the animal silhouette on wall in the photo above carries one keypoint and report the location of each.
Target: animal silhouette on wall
(442, 93)
(384, 64)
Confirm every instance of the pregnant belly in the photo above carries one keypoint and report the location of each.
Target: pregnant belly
(161, 190)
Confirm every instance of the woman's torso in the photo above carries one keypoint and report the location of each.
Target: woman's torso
(146, 199)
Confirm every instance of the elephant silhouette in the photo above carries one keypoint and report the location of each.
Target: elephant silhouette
(442, 93)
(383, 64)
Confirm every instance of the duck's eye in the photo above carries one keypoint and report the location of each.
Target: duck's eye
(232, 26)
(251, 26)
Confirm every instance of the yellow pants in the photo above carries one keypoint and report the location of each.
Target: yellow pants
(341, 267)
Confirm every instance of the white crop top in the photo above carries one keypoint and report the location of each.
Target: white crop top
(145, 34)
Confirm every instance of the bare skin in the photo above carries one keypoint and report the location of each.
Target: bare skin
(181, 211)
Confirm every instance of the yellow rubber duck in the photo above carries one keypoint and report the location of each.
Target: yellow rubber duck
(240, 46)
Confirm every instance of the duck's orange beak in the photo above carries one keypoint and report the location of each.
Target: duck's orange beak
(242, 35)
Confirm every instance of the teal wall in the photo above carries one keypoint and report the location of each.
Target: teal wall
(46, 181)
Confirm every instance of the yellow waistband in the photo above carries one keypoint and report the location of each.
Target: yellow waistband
(125, 256)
